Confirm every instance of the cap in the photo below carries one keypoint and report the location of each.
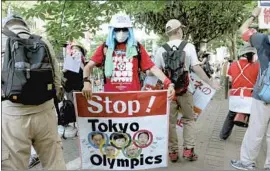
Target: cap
(172, 25)
(13, 18)
(121, 21)
(246, 49)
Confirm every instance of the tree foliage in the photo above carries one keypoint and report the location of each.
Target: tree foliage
(68, 20)
(204, 20)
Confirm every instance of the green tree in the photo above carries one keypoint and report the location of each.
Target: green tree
(204, 20)
(68, 20)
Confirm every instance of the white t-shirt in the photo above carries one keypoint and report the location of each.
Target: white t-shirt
(191, 55)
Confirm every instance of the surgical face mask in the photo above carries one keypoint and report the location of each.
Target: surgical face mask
(121, 36)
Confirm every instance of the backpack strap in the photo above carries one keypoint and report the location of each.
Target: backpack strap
(167, 47)
(182, 45)
(242, 72)
(9, 33)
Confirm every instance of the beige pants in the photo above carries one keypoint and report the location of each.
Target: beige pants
(19, 132)
(259, 126)
(186, 104)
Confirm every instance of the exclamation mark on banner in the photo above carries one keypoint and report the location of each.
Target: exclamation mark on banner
(152, 99)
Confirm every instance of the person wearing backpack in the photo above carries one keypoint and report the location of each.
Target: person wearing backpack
(259, 124)
(243, 74)
(30, 80)
(176, 58)
(122, 58)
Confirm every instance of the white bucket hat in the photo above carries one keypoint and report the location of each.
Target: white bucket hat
(121, 21)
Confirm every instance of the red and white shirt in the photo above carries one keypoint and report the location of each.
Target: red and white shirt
(125, 75)
(244, 76)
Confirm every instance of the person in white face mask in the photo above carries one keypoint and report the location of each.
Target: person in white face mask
(123, 58)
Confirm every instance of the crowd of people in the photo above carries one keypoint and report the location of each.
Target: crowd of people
(33, 124)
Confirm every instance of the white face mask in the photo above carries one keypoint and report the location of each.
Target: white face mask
(121, 36)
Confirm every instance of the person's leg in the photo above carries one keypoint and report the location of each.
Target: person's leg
(227, 126)
(259, 119)
(173, 139)
(16, 141)
(47, 142)
(189, 130)
(251, 145)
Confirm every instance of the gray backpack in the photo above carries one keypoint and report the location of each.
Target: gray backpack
(27, 72)
(174, 59)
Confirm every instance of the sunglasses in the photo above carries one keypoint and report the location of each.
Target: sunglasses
(121, 29)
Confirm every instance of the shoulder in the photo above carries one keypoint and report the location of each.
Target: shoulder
(189, 46)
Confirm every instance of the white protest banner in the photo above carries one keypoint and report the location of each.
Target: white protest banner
(264, 17)
(72, 63)
(123, 130)
(202, 95)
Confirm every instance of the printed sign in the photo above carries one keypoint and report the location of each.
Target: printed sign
(202, 95)
(123, 130)
(264, 17)
(72, 63)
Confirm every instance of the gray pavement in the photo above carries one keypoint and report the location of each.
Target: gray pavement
(213, 153)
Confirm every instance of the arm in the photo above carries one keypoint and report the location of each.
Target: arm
(203, 62)
(200, 72)
(96, 59)
(244, 29)
(158, 73)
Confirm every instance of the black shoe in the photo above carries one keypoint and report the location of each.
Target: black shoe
(33, 162)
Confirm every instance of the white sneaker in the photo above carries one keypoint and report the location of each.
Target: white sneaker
(241, 166)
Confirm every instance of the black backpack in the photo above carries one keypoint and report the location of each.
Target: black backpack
(27, 72)
(67, 113)
(141, 74)
(174, 59)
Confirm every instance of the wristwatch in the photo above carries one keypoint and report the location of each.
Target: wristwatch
(85, 79)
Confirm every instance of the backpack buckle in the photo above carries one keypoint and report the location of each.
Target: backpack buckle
(15, 46)
(35, 45)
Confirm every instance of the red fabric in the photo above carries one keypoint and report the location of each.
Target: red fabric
(125, 73)
(247, 34)
(250, 72)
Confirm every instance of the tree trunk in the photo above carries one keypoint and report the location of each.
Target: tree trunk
(234, 51)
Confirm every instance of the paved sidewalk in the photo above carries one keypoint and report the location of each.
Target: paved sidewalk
(213, 153)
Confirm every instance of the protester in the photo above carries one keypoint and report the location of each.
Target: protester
(28, 112)
(206, 64)
(73, 81)
(224, 70)
(259, 124)
(123, 59)
(184, 97)
(243, 74)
